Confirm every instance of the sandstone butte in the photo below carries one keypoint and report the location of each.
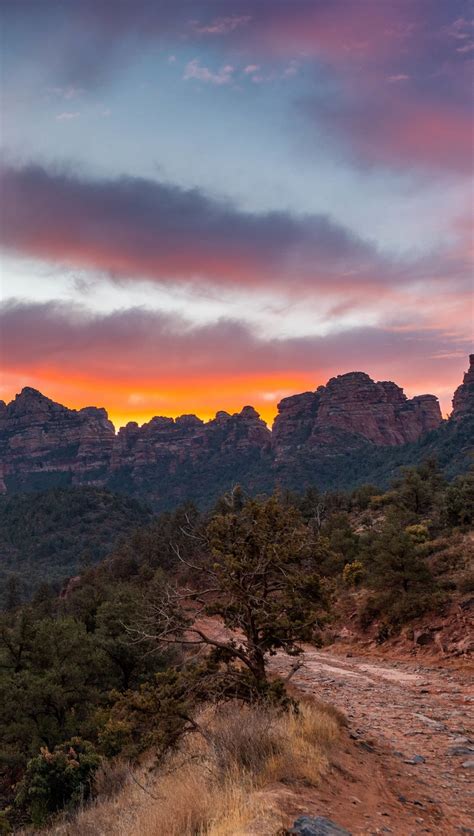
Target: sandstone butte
(39, 436)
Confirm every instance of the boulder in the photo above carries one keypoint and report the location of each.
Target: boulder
(318, 826)
(423, 637)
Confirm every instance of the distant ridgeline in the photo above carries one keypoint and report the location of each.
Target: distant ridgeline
(349, 432)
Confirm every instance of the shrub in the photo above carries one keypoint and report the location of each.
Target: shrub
(57, 779)
(418, 533)
(353, 573)
(215, 782)
(466, 582)
(110, 778)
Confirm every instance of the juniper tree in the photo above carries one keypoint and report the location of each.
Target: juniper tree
(255, 590)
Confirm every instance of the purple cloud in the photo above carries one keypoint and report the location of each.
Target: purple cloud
(132, 227)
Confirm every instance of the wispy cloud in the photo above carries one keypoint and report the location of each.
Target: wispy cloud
(222, 25)
(67, 115)
(291, 69)
(67, 93)
(194, 70)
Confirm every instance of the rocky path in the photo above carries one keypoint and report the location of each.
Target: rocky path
(417, 723)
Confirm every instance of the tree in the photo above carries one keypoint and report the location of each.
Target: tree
(459, 501)
(417, 490)
(397, 571)
(130, 662)
(12, 593)
(51, 678)
(257, 577)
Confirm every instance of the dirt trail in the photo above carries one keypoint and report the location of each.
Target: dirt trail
(415, 725)
(408, 766)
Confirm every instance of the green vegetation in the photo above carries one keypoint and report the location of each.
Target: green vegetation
(46, 537)
(187, 608)
(347, 469)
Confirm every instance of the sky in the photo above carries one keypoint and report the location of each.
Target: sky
(211, 203)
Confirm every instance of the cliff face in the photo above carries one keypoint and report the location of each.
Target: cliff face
(353, 404)
(463, 400)
(43, 443)
(168, 460)
(187, 438)
(38, 436)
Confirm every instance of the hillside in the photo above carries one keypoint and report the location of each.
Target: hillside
(46, 537)
(133, 673)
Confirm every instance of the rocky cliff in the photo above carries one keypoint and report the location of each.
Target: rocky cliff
(463, 400)
(353, 404)
(39, 436)
(168, 460)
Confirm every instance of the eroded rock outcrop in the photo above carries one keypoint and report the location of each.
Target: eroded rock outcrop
(353, 404)
(463, 400)
(39, 436)
(188, 439)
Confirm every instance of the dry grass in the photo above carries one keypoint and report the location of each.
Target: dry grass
(221, 783)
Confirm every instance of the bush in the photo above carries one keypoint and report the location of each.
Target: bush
(221, 781)
(369, 612)
(110, 778)
(57, 779)
(418, 533)
(398, 609)
(353, 573)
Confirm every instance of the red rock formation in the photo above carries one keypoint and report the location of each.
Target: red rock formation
(38, 436)
(355, 405)
(463, 400)
(43, 443)
(171, 442)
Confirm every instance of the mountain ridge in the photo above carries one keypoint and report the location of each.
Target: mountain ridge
(168, 460)
(29, 395)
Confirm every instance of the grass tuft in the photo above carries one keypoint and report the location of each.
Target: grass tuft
(219, 783)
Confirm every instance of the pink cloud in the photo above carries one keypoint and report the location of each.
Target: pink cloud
(397, 129)
(118, 353)
(132, 227)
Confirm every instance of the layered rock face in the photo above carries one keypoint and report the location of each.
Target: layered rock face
(463, 400)
(43, 443)
(39, 436)
(354, 405)
(187, 438)
(175, 456)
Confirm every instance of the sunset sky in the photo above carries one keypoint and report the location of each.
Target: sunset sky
(209, 203)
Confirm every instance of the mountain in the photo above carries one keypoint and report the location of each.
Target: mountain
(350, 431)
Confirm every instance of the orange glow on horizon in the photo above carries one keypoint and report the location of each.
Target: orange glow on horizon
(204, 395)
(171, 398)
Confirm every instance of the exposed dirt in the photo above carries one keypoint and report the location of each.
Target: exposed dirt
(396, 711)
(407, 764)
